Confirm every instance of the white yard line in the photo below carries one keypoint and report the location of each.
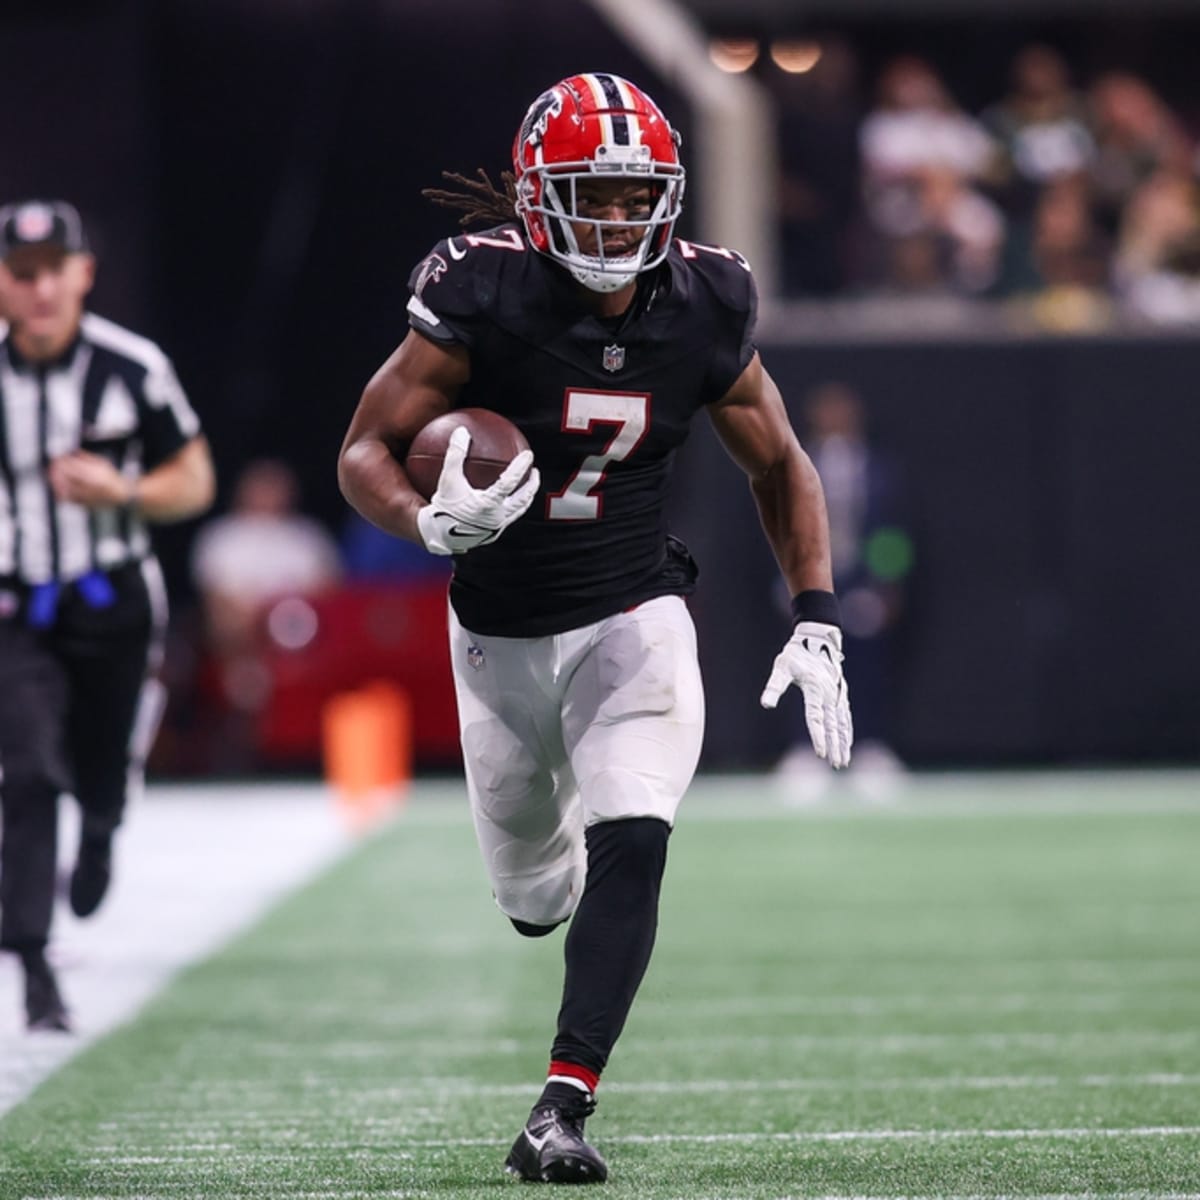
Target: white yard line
(400, 1147)
(1012, 1196)
(193, 866)
(1136, 1132)
(917, 1135)
(442, 1087)
(774, 1044)
(420, 1193)
(1144, 1195)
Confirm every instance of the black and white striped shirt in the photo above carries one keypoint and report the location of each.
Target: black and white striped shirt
(113, 393)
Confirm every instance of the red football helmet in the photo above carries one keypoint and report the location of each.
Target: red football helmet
(597, 127)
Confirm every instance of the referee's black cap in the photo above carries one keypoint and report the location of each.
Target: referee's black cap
(41, 223)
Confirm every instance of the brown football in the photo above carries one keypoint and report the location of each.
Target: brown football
(495, 442)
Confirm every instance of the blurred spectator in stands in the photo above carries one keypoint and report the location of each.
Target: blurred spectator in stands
(1066, 278)
(1157, 265)
(1137, 136)
(969, 225)
(922, 158)
(954, 248)
(819, 113)
(1042, 137)
(913, 266)
(872, 555)
(262, 549)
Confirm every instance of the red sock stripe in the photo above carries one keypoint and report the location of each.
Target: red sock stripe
(575, 1071)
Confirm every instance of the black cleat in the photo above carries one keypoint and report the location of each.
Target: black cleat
(551, 1147)
(44, 1007)
(92, 875)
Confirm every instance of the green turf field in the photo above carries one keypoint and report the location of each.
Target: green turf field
(990, 988)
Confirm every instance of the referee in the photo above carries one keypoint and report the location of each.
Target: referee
(96, 440)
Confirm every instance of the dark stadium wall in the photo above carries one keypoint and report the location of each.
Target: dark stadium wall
(1055, 503)
(78, 124)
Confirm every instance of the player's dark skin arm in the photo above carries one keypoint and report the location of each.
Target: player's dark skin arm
(417, 383)
(753, 425)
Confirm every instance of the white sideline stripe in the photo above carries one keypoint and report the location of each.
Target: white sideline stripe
(192, 867)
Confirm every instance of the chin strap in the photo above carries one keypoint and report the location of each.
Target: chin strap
(601, 281)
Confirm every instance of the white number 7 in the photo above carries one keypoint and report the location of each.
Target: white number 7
(630, 412)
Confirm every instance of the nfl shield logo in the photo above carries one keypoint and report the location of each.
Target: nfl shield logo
(475, 659)
(614, 358)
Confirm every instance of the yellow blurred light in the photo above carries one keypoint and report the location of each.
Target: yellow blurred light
(733, 54)
(795, 57)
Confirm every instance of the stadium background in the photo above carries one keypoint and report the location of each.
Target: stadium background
(250, 172)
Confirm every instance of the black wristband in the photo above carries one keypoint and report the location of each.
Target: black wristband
(815, 605)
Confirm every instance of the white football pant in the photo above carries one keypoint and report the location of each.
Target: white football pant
(597, 724)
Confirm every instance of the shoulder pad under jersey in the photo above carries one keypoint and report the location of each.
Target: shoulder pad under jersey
(724, 274)
(458, 282)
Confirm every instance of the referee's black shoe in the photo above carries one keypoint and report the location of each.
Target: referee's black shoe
(92, 873)
(44, 1007)
(551, 1147)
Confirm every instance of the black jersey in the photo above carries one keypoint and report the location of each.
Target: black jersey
(604, 404)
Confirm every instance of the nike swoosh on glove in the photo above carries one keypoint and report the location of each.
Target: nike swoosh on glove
(812, 660)
(460, 517)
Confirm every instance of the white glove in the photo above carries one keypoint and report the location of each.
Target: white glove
(812, 660)
(459, 517)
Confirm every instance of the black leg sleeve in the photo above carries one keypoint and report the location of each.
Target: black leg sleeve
(611, 936)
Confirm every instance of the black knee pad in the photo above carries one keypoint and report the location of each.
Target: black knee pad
(633, 850)
(635, 837)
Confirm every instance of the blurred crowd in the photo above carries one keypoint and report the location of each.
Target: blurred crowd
(266, 578)
(1076, 200)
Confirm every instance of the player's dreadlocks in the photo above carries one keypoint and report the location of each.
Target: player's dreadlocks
(479, 199)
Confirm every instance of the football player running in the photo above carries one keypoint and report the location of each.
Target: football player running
(579, 317)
